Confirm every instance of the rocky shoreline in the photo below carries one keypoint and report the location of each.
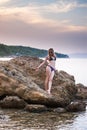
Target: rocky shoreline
(23, 88)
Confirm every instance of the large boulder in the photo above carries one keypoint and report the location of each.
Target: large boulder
(31, 93)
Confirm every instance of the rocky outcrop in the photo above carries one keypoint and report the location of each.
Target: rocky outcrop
(19, 78)
(81, 91)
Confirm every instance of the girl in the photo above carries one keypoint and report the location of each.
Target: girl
(50, 69)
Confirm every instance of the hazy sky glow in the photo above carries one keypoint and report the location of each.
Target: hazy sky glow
(61, 24)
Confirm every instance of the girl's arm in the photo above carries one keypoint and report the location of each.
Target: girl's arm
(42, 63)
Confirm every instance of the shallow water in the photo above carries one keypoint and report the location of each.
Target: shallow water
(13, 119)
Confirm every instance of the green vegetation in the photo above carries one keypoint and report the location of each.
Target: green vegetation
(25, 51)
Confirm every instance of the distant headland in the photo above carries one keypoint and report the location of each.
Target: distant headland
(6, 50)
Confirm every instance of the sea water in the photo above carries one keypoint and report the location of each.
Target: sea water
(5, 58)
(75, 67)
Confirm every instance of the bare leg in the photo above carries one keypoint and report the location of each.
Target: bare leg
(46, 83)
(50, 81)
(48, 71)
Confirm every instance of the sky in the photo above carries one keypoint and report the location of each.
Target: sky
(44, 24)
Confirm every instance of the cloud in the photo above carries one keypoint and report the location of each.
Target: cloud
(61, 6)
(14, 3)
(36, 35)
(29, 24)
(32, 15)
(4, 1)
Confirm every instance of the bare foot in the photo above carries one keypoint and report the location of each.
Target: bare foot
(48, 92)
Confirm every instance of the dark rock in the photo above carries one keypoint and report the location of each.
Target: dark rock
(81, 91)
(76, 106)
(59, 110)
(12, 102)
(36, 108)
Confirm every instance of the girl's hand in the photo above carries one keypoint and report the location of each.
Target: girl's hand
(37, 69)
